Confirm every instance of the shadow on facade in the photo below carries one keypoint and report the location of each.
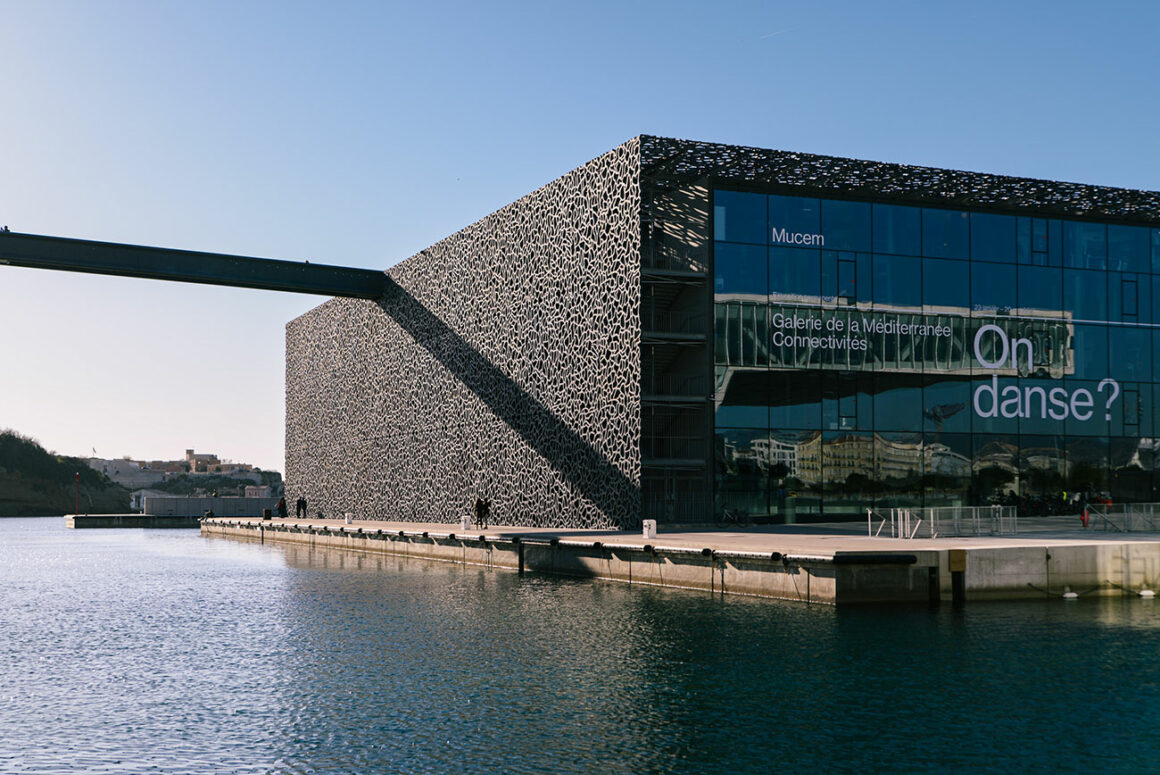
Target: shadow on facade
(587, 471)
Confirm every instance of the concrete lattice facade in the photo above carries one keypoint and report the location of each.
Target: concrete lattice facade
(504, 362)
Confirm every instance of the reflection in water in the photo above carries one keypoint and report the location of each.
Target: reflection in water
(129, 651)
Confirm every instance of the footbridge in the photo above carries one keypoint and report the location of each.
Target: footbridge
(75, 255)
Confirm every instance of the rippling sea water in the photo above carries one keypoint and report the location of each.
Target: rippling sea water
(132, 651)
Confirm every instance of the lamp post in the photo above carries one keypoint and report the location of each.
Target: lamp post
(77, 505)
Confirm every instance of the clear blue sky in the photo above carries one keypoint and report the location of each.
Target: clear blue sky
(359, 133)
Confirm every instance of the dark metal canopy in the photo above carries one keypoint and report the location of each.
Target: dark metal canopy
(73, 255)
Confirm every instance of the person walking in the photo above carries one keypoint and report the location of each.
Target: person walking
(480, 514)
(300, 508)
(282, 512)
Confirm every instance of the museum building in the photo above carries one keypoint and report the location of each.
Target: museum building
(677, 328)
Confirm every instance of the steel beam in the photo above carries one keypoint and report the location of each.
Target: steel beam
(73, 255)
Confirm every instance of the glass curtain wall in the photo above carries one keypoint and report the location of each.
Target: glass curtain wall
(878, 355)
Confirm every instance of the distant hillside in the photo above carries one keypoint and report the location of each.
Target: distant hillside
(37, 483)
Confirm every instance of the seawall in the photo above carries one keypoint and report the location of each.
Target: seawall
(811, 568)
(612, 558)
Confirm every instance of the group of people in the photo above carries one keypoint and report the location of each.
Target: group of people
(482, 511)
(299, 508)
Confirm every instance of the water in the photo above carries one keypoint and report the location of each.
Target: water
(131, 651)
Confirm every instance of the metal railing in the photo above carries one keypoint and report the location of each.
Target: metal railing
(1128, 518)
(902, 522)
(682, 258)
(677, 385)
(942, 521)
(1142, 517)
(673, 447)
(674, 322)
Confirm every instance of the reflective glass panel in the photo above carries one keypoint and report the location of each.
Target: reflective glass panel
(992, 237)
(1090, 351)
(1085, 294)
(1040, 291)
(742, 468)
(1043, 405)
(1131, 410)
(946, 405)
(1085, 245)
(992, 287)
(793, 219)
(945, 233)
(898, 230)
(1090, 404)
(794, 275)
(899, 468)
(1131, 477)
(898, 402)
(739, 217)
(1129, 297)
(847, 401)
(1042, 468)
(947, 469)
(846, 225)
(996, 468)
(897, 281)
(796, 400)
(743, 398)
(1129, 249)
(1088, 466)
(848, 473)
(946, 285)
(1130, 353)
(740, 270)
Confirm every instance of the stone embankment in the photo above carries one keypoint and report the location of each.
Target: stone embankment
(792, 565)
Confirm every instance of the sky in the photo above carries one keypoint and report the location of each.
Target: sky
(359, 133)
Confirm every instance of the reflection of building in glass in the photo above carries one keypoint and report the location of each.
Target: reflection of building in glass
(757, 334)
(936, 355)
(942, 460)
(772, 452)
(679, 327)
(819, 460)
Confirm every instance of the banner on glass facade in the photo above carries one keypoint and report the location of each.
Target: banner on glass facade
(985, 349)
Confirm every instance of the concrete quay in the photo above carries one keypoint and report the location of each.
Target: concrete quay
(130, 520)
(829, 564)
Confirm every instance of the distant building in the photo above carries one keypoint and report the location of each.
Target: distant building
(139, 474)
(200, 464)
(258, 491)
(137, 498)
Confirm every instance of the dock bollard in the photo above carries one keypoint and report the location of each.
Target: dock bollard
(650, 528)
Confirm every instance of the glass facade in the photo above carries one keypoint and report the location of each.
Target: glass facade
(877, 355)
